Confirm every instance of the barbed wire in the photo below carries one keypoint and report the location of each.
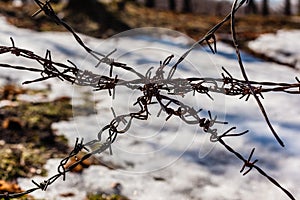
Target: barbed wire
(156, 89)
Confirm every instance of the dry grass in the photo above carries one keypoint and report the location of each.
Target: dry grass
(249, 27)
(135, 16)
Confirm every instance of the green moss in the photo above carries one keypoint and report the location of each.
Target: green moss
(42, 115)
(22, 198)
(27, 140)
(33, 121)
(21, 160)
(103, 196)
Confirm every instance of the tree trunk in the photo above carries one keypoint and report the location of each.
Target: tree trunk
(186, 7)
(55, 1)
(81, 5)
(121, 5)
(287, 8)
(172, 5)
(96, 12)
(265, 8)
(150, 3)
(251, 7)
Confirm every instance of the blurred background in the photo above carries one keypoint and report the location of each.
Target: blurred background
(37, 124)
(193, 17)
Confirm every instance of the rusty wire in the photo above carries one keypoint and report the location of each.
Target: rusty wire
(155, 90)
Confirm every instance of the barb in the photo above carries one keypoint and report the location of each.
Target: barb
(48, 11)
(248, 163)
(251, 165)
(234, 39)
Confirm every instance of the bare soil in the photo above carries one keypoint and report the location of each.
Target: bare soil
(134, 16)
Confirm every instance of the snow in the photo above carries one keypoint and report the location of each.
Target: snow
(286, 50)
(168, 159)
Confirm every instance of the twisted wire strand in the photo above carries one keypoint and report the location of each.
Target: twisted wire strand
(156, 90)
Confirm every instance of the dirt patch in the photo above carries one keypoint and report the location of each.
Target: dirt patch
(26, 138)
(93, 22)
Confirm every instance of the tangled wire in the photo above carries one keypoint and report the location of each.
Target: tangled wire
(155, 89)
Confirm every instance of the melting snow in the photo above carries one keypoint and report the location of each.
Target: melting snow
(171, 160)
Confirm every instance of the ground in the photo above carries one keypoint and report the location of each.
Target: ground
(134, 16)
